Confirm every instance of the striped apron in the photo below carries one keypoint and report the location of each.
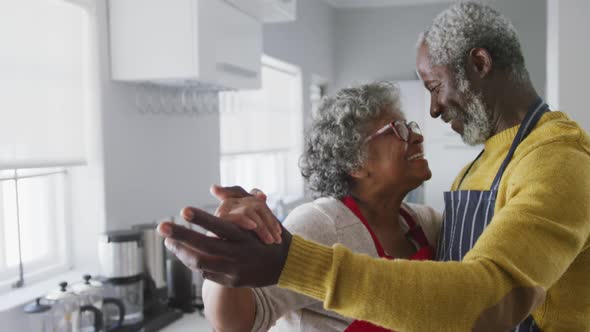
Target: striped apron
(469, 212)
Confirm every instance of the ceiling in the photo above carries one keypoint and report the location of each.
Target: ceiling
(381, 3)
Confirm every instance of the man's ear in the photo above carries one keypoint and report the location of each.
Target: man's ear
(479, 62)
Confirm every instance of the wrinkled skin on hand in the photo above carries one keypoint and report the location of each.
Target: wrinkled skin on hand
(248, 210)
(235, 258)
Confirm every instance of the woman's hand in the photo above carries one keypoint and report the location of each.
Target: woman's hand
(235, 258)
(248, 211)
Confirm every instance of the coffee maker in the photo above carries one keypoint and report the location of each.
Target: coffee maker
(154, 265)
(121, 271)
(132, 265)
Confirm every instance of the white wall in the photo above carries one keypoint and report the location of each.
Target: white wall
(379, 43)
(154, 164)
(568, 58)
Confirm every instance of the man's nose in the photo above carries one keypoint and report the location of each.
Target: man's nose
(435, 108)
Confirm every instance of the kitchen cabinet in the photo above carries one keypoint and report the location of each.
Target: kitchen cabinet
(185, 41)
(268, 11)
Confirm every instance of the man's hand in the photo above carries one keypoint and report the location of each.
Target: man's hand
(249, 211)
(236, 259)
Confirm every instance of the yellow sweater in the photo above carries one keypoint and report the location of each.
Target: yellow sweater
(533, 257)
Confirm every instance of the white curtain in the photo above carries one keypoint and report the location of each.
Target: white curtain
(44, 83)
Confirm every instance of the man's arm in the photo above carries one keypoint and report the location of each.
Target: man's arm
(524, 251)
(527, 247)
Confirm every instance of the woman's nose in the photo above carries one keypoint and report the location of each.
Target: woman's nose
(415, 138)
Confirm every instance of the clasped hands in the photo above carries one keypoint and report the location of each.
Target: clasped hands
(246, 245)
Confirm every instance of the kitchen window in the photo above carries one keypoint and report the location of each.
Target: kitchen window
(262, 133)
(47, 70)
(32, 224)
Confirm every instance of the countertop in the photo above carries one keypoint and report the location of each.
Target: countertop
(189, 323)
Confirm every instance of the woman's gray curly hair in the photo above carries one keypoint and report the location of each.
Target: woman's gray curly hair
(467, 25)
(334, 144)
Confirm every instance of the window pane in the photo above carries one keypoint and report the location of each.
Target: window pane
(261, 170)
(259, 120)
(261, 133)
(9, 221)
(37, 203)
(41, 208)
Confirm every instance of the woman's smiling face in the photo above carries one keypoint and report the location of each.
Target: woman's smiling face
(391, 161)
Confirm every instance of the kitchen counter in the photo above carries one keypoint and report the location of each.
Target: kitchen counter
(189, 323)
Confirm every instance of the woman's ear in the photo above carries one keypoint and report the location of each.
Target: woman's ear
(359, 173)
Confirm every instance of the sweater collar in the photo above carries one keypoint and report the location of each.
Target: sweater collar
(505, 137)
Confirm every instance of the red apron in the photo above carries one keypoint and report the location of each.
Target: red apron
(414, 234)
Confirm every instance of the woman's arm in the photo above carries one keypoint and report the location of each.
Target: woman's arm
(258, 309)
(229, 309)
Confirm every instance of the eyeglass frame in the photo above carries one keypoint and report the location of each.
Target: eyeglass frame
(412, 127)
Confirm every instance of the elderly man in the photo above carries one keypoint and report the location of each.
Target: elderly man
(514, 250)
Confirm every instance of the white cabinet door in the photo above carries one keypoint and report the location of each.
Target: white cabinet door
(251, 7)
(151, 40)
(279, 10)
(267, 11)
(184, 40)
(237, 47)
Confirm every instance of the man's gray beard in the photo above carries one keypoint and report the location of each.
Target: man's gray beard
(476, 119)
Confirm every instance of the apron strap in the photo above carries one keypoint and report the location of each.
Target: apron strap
(469, 168)
(414, 233)
(533, 116)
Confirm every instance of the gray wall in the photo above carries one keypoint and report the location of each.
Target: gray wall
(307, 42)
(379, 43)
(568, 63)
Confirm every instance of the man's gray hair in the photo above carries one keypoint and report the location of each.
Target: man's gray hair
(334, 145)
(467, 25)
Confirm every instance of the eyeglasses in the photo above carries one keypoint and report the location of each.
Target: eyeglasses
(401, 128)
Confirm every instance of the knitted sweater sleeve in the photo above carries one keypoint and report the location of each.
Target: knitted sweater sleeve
(273, 302)
(500, 281)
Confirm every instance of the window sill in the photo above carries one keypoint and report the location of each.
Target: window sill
(17, 297)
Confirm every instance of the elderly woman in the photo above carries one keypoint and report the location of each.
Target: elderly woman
(361, 159)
